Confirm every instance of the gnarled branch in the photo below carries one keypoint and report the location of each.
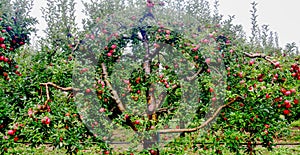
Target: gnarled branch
(115, 95)
(259, 55)
(202, 125)
(193, 77)
(59, 87)
(55, 86)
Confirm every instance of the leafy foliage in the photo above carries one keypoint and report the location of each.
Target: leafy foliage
(41, 103)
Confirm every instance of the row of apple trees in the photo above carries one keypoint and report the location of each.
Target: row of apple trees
(74, 89)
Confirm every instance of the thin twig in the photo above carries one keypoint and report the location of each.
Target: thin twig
(59, 87)
(76, 46)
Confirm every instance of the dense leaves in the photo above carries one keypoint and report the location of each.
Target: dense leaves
(53, 95)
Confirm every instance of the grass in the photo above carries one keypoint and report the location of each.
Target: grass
(295, 123)
(44, 150)
(294, 137)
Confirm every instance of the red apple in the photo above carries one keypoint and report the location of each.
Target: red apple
(46, 120)
(30, 113)
(9, 28)
(195, 49)
(207, 60)
(137, 122)
(88, 90)
(287, 93)
(92, 36)
(250, 88)
(102, 110)
(1, 58)
(1, 39)
(242, 82)
(277, 64)
(286, 112)
(152, 152)
(3, 46)
(168, 32)
(10, 132)
(251, 62)
(266, 132)
(283, 90)
(6, 59)
(267, 96)
(293, 90)
(288, 105)
(16, 139)
(137, 80)
(5, 74)
(254, 85)
(267, 126)
(106, 152)
(286, 102)
(296, 101)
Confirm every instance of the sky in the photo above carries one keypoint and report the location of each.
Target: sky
(281, 16)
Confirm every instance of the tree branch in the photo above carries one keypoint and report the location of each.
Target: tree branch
(202, 125)
(55, 86)
(190, 78)
(115, 95)
(58, 87)
(259, 55)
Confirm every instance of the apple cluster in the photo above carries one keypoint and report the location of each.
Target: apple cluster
(295, 70)
(12, 36)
